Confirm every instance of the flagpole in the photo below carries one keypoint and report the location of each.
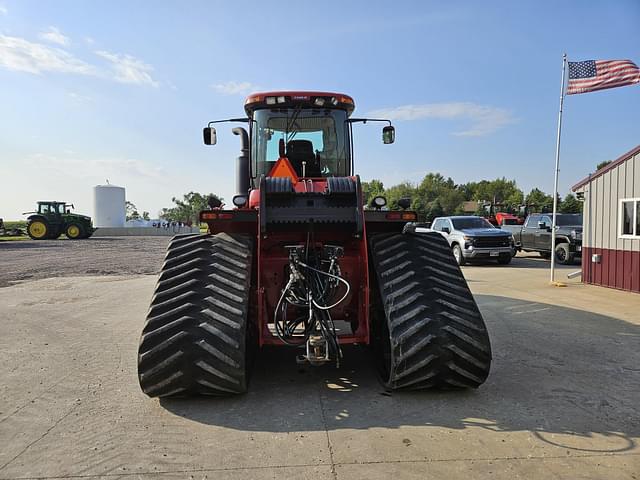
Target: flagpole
(557, 170)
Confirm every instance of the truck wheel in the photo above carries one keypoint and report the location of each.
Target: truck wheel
(426, 329)
(74, 231)
(504, 258)
(195, 337)
(457, 254)
(38, 230)
(563, 255)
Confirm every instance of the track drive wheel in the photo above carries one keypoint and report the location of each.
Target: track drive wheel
(38, 230)
(426, 328)
(195, 337)
(74, 231)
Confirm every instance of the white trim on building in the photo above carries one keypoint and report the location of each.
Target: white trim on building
(634, 220)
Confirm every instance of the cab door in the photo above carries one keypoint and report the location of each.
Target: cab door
(543, 236)
(529, 232)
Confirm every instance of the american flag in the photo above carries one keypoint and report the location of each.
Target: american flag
(595, 75)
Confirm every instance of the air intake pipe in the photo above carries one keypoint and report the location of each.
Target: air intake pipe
(242, 163)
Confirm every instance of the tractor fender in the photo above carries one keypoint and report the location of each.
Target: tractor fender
(32, 218)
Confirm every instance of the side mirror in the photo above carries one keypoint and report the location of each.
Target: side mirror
(388, 135)
(542, 225)
(209, 134)
(446, 230)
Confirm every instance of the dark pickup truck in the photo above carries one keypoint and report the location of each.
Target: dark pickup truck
(535, 235)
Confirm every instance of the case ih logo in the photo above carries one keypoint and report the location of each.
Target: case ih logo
(300, 97)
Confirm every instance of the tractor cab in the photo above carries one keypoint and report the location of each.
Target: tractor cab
(311, 131)
(300, 135)
(53, 208)
(51, 219)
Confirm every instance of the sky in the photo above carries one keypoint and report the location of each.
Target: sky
(120, 90)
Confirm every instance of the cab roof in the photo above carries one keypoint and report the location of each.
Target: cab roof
(291, 98)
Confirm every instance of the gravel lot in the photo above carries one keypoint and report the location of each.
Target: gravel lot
(34, 260)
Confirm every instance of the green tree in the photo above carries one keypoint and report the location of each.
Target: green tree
(371, 189)
(395, 193)
(131, 211)
(145, 216)
(603, 164)
(435, 210)
(188, 208)
(538, 201)
(570, 204)
(499, 191)
(451, 201)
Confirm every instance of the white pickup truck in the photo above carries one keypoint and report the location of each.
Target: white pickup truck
(474, 238)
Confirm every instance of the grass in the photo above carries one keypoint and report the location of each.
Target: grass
(13, 239)
(9, 225)
(15, 224)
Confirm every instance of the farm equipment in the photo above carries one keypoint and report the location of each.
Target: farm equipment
(52, 219)
(300, 262)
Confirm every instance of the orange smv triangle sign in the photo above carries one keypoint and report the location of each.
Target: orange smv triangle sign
(283, 168)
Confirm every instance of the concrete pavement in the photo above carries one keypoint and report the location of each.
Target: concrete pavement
(562, 400)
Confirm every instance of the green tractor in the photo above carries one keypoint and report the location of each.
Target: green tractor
(52, 219)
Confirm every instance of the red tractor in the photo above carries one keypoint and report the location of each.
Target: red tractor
(301, 262)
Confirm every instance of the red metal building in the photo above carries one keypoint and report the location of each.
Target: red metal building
(611, 234)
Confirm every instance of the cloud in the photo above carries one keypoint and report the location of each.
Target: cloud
(128, 69)
(3, 10)
(234, 88)
(21, 55)
(123, 169)
(54, 35)
(484, 119)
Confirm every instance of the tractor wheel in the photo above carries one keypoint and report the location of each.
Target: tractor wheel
(426, 328)
(195, 337)
(74, 231)
(38, 230)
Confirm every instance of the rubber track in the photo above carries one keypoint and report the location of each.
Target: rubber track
(436, 334)
(194, 338)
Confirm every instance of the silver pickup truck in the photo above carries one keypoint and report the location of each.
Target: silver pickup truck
(474, 238)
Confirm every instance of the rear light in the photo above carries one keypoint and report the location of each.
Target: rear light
(407, 216)
(216, 216)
